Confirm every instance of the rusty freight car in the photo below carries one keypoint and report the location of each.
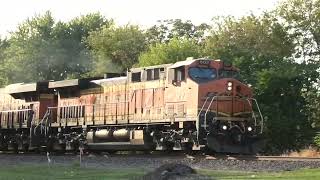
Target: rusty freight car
(191, 104)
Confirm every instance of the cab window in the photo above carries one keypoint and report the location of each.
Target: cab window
(153, 74)
(229, 74)
(136, 77)
(201, 75)
(179, 74)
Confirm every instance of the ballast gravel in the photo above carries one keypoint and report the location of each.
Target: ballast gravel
(150, 162)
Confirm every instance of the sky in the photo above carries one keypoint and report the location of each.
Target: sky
(141, 12)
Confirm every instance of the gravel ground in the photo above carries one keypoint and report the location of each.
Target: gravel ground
(150, 162)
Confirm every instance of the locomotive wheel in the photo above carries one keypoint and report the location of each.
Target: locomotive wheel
(112, 151)
(187, 147)
(169, 146)
(4, 146)
(23, 147)
(14, 147)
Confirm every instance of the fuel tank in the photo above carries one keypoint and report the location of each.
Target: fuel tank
(106, 135)
(103, 134)
(121, 135)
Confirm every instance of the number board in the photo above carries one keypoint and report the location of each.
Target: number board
(204, 62)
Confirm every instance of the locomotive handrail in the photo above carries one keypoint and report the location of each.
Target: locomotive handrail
(205, 115)
(175, 101)
(262, 119)
(78, 114)
(253, 114)
(240, 98)
(203, 105)
(197, 124)
(17, 110)
(46, 116)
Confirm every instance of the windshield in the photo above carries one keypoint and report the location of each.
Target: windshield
(229, 74)
(201, 75)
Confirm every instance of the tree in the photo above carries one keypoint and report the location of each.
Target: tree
(165, 30)
(252, 43)
(116, 48)
(302, 18)
(72, 37)
(3, 45)
(173, 51)
(44, 50)
(281, 94)
(262, 48)
(27, 57)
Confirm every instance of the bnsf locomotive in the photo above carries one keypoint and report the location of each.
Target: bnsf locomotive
(189, 105)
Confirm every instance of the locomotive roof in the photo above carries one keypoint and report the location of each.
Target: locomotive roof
(110, 80)
(71, 82)
(21, 87)
(172, 65)
(84, 82)
(23, 90)
(64, 83)
(183, 63)
(188, 62)
(149, 67)
(2, 90)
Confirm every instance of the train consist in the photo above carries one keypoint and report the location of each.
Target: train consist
(189, 105)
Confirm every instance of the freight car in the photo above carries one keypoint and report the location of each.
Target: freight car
(188, 105)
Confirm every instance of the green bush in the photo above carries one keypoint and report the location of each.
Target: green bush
(316, 140)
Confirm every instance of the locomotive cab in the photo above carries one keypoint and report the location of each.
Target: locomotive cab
(228, 118)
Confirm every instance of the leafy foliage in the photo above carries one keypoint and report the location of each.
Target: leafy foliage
(262, 48)
(42, 50)
(116, 48)
(316, 140)
(251, 43)
(175, 50)
(166, 30)
(3, 46)
(280, 88)
(302, 19)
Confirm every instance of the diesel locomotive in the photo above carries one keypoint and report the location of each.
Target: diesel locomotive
(189, 105)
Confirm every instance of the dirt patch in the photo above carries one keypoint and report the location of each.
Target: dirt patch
(173, 172)
(311, 152)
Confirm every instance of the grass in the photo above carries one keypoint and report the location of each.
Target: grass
(65, 172)
(37, 172)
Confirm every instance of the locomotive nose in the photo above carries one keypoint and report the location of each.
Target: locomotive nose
(235, 88)
(229, 85)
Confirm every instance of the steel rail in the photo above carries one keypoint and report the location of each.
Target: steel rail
(263, 158)
(176, 155)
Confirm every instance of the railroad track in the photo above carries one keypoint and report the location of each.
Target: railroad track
(177, 155)
(200, 157)
(263, 158)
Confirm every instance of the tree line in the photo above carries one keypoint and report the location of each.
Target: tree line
(277, 52)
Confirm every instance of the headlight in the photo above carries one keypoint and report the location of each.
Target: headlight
(224, 127)
(229, 84)
(249, 129)
(229, 88)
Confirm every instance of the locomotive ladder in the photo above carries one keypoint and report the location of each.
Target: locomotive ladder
(44, 123)
(202, 108)
(253, 114)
